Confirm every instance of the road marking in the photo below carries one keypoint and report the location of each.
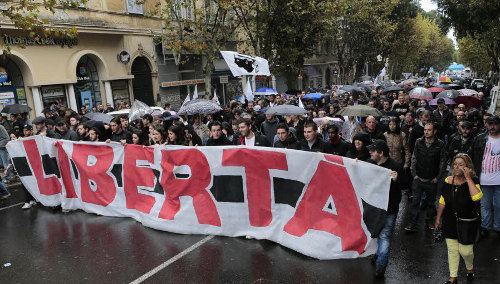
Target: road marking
(13, 205)
(171, 260)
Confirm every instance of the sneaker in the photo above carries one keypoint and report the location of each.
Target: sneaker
(33, 202)
(411, 228)
(470, 276)
(379, 271)
(27, 205)
(5, 196)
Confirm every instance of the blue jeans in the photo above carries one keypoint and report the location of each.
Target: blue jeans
(419, 188)
(490, 202)
(384, 240)
(4, 158)
(3, 190)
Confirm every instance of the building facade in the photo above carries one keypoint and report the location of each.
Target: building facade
(111, 61)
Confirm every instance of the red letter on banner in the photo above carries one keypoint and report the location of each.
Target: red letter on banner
(106, 188)
(330, 180)
(257, 164)
(65, 170)
(46, 186)
(195, 186)
(134, 176)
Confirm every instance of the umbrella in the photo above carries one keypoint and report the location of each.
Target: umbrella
(468, 92)
(359, 110)
(409, 81)
(391, 89)
(436, 89)
(265, 92)
(444, 79)
(421, 93)
(286, 110)
(469, 101)
(352, 90)
(199, 106)
(446, 101)
(313, 96)
(331, 120)
(450, 94)
(99, 116)
(367, 88)
(453, 86)
(16, 108)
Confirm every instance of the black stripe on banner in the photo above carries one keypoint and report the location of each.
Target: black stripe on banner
(374, 218)
(158, 188)
(287, 191)
(50, 166)
(22, 167)
(228, 189)
(75, 170)
(117, 172)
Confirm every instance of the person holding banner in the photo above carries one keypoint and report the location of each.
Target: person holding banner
(217, 137)
(312, 143)
(379, 153)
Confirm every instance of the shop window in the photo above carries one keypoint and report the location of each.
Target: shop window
(54, 95)
(87, 87)
(11, 83)
(120, 92)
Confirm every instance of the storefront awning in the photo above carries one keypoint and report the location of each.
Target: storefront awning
(182, 83)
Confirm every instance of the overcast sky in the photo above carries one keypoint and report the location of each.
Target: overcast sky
(428, 5)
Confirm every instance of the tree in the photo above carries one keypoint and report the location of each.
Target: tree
(360, 31)
(285, 32)
(200, 27)
(476, 19)
(473, 54)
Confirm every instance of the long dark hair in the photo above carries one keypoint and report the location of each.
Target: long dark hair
(163, 133)
(398, 126)
(179, 134)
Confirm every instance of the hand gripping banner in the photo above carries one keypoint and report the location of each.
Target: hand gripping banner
(323, 206)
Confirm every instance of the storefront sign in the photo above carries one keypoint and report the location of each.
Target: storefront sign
(39, 41)
(4, 76)
(53, 91)
(182, 83)
(7, 98)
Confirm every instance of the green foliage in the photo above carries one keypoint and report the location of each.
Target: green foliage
(25, 15)
(474, 55)
(478, 20)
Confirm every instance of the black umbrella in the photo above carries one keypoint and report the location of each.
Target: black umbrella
(16, 108)
(450, 94)
(391, 89)
(352, 90)
(99, 116)
(367, 88)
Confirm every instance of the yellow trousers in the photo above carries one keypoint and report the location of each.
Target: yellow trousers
(455, 250)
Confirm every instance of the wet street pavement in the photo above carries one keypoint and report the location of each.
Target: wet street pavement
(46, 246)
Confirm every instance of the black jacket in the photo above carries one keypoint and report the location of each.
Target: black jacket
(476, 151)
(260, 140)
(429, 163)
(222, 141)
(340, 148)
(443, 121)
(457, 145)
(69, 135)
(123, 135)
(318, 146)
(396, 187)
(291, 143)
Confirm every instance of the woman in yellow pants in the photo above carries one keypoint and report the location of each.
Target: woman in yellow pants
(459, 200)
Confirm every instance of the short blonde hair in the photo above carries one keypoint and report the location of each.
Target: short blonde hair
(467, 160)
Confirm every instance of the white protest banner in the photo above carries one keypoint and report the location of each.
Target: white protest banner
(323, 206)
(243, 64)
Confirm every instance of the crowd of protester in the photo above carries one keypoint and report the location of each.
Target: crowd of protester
(430, 150)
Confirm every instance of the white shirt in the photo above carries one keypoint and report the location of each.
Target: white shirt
(490, 174)
(250, 142)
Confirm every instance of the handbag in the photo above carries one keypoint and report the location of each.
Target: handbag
(467, 229)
